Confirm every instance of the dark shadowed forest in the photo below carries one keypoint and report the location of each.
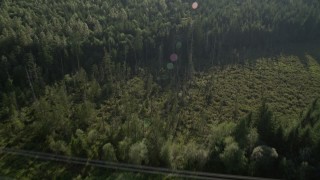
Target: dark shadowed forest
(219, 86)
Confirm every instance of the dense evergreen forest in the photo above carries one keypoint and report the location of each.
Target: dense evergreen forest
(229, 86)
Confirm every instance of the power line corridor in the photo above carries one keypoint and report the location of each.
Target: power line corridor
(123, 166)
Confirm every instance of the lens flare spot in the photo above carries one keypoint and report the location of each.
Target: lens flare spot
(174, 57)
(170, 66)
(195, 5)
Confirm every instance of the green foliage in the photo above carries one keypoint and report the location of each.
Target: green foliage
(109, 152)
(92, 136)
(87, 79)
(184, 156)
(312, 115)
(57, 121)
(84, 114)
(267, 125)
(263, 160)
(143, 123)
(78, 144)
(245, 133)
(288, 168)
(219, 131)
(172, 154)
(233, 157)
(138, 153)
(196, 156)
(134, 127)
(123, 149)
(57, 146)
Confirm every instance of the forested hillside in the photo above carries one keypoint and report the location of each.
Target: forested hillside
(227, 86)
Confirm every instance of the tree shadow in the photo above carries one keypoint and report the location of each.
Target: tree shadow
(299, 50)
(251, 55)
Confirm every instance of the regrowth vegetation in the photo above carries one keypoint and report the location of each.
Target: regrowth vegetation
(91, 79)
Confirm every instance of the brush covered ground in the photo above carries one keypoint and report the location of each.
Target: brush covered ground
(154, 121)
(94, 79)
